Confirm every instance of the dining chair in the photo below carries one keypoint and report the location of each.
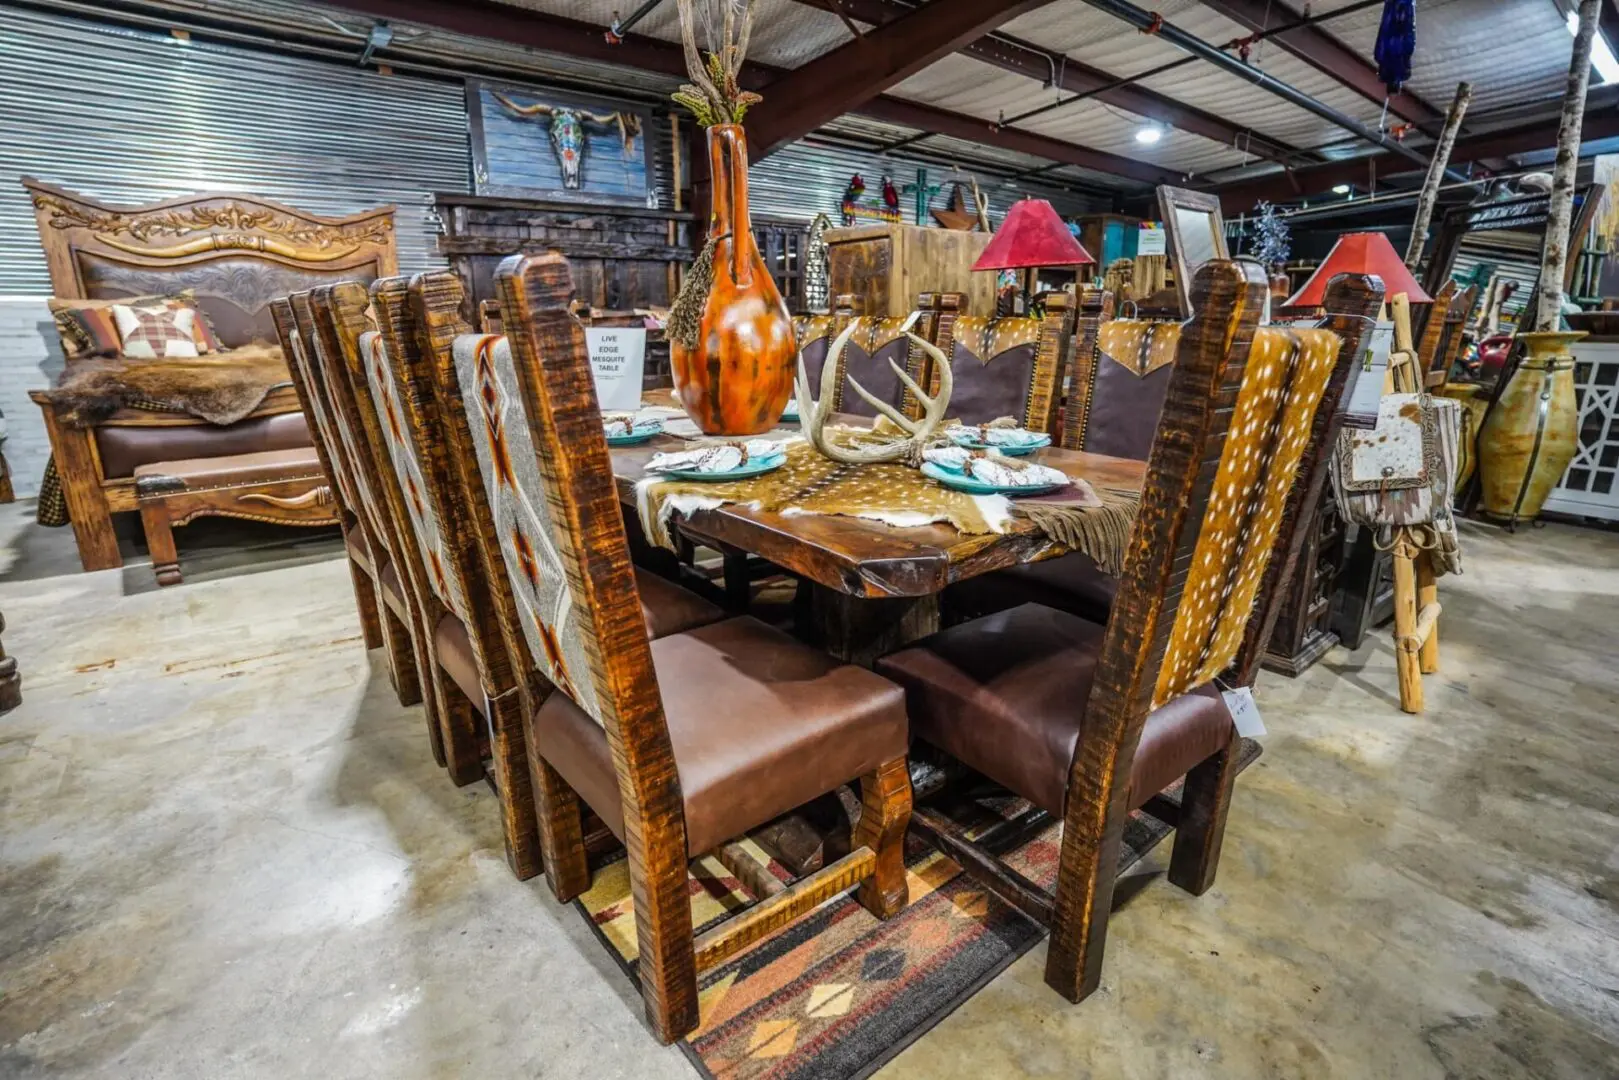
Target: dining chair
(1117, 396)
(357, 546)
(1009, 366)
(1088, 721)
(681, 744)
(1430, 343)
(379, 545)
(339, 316)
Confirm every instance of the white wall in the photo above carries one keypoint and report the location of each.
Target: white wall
(30, 359)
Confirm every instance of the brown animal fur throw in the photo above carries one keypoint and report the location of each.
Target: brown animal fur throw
(221, 388)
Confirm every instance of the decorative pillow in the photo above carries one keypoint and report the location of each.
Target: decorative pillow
(164, 330)
(87, 327)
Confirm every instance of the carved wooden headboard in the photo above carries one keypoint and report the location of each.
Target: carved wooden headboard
(237, 252)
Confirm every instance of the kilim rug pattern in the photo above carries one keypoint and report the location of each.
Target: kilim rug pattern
(837, 994)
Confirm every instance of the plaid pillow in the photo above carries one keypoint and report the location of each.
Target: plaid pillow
(152, 332)
(87, 327)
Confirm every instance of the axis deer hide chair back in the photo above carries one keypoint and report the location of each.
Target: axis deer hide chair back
(1087, 721)
(678, 744)
(1012, 366)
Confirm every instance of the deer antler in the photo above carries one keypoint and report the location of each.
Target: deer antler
(812, 413)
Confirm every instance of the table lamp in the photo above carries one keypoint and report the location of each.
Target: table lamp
(1360, 253)
(1032, 236)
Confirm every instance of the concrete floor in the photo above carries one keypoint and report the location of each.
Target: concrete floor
(225, 852)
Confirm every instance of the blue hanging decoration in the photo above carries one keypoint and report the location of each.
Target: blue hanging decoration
(1396, 41)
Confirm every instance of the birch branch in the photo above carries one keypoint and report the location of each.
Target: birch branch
(1436, 174)
(1560, 216)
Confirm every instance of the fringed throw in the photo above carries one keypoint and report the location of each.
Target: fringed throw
(1100, 529)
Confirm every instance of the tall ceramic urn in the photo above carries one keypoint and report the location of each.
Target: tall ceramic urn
(1531, 433)
(737, 377)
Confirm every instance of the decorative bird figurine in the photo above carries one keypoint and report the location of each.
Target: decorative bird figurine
(890, 194)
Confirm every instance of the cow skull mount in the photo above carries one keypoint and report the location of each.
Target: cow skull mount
(567, 131)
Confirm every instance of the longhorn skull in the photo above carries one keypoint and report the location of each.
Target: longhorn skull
(567, 131)
(812, 414)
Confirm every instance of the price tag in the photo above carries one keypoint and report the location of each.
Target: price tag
(617, 360)
(1151, 239)
(1244, 713)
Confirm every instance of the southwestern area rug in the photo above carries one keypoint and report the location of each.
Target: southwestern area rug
(837, 994)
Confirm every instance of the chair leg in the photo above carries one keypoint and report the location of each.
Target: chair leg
(1427, 593)
(668, 958)
(1204, 803)
(366, 602)
(160, 542)
(885, 811)
(403, 670)
(1406, 663)
(561, 823)
(459, 721)
(738, 583)
(512, 785)
(1093, 829)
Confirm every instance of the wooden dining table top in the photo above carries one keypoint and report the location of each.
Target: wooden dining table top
(870, 559)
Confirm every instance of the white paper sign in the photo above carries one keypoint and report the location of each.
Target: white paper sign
(617, 359)
(1151, 241)
(1363, 403)
(1244, 713)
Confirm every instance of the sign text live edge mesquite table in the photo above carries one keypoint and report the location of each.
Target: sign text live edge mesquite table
(617, 360)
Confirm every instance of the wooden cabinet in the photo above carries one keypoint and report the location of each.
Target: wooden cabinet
(1304, 630)
(886, 266)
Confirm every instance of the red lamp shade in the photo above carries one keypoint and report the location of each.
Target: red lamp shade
(1032, 235)
(1360, 253)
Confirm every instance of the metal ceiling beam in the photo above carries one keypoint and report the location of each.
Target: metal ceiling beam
(1153, 23)
(844, 78)
(1523, 139)
(570, 37)
(1052, 68)
(1327, 54)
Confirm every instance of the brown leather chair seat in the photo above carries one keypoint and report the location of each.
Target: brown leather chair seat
(666, 609)
(1071, 583)
(1006, 694)
(758, 722)
(199, 474)
(124, 449)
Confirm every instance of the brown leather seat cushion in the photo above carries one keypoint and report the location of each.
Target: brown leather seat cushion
(670, 609)
(265, 466)
(124, 449)
(665, 606)
(759, 724)
(1071, 583)
(1006, 694)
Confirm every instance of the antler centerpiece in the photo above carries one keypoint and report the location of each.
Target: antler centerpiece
(813, 413)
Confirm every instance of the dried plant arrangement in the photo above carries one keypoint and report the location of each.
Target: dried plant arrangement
(714, 94)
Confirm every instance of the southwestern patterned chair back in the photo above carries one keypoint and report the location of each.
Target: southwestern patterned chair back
(467, 641)
(1012, 366)
(681, 755)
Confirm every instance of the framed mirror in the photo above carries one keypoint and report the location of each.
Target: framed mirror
(1196, 235)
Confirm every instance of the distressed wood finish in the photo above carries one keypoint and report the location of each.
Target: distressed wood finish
(884, 266)
(214, 244)
(553, 373)
(413, 349)
(1095, 308)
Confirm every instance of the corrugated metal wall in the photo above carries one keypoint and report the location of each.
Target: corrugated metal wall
(132, 116)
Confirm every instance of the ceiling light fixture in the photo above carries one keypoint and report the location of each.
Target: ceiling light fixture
(1341, 189)
(1149, 134)
(1602, 57)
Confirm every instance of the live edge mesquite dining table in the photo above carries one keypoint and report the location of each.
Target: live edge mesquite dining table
(875, 586)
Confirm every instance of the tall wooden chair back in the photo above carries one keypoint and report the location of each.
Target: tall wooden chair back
(1118, 388)
(1240, 420)
(1430, 344)
(1012, 366)
(313, 400)
(1453, 339)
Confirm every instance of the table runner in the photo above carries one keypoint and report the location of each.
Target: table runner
(1097, 523)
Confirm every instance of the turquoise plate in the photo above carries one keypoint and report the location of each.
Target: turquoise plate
(1009, 451)
(962, 482)
(632, 439)
(741, 472)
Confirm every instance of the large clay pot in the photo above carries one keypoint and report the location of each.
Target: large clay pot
(1531, 434)
(738, 378)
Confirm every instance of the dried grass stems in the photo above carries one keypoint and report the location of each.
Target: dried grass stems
(714, 95)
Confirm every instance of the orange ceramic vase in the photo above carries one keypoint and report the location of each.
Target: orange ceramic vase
(739, 377)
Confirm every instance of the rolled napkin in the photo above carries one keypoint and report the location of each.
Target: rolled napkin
(992, 468)
(996, 433)
(619, 424)
(718, 458)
